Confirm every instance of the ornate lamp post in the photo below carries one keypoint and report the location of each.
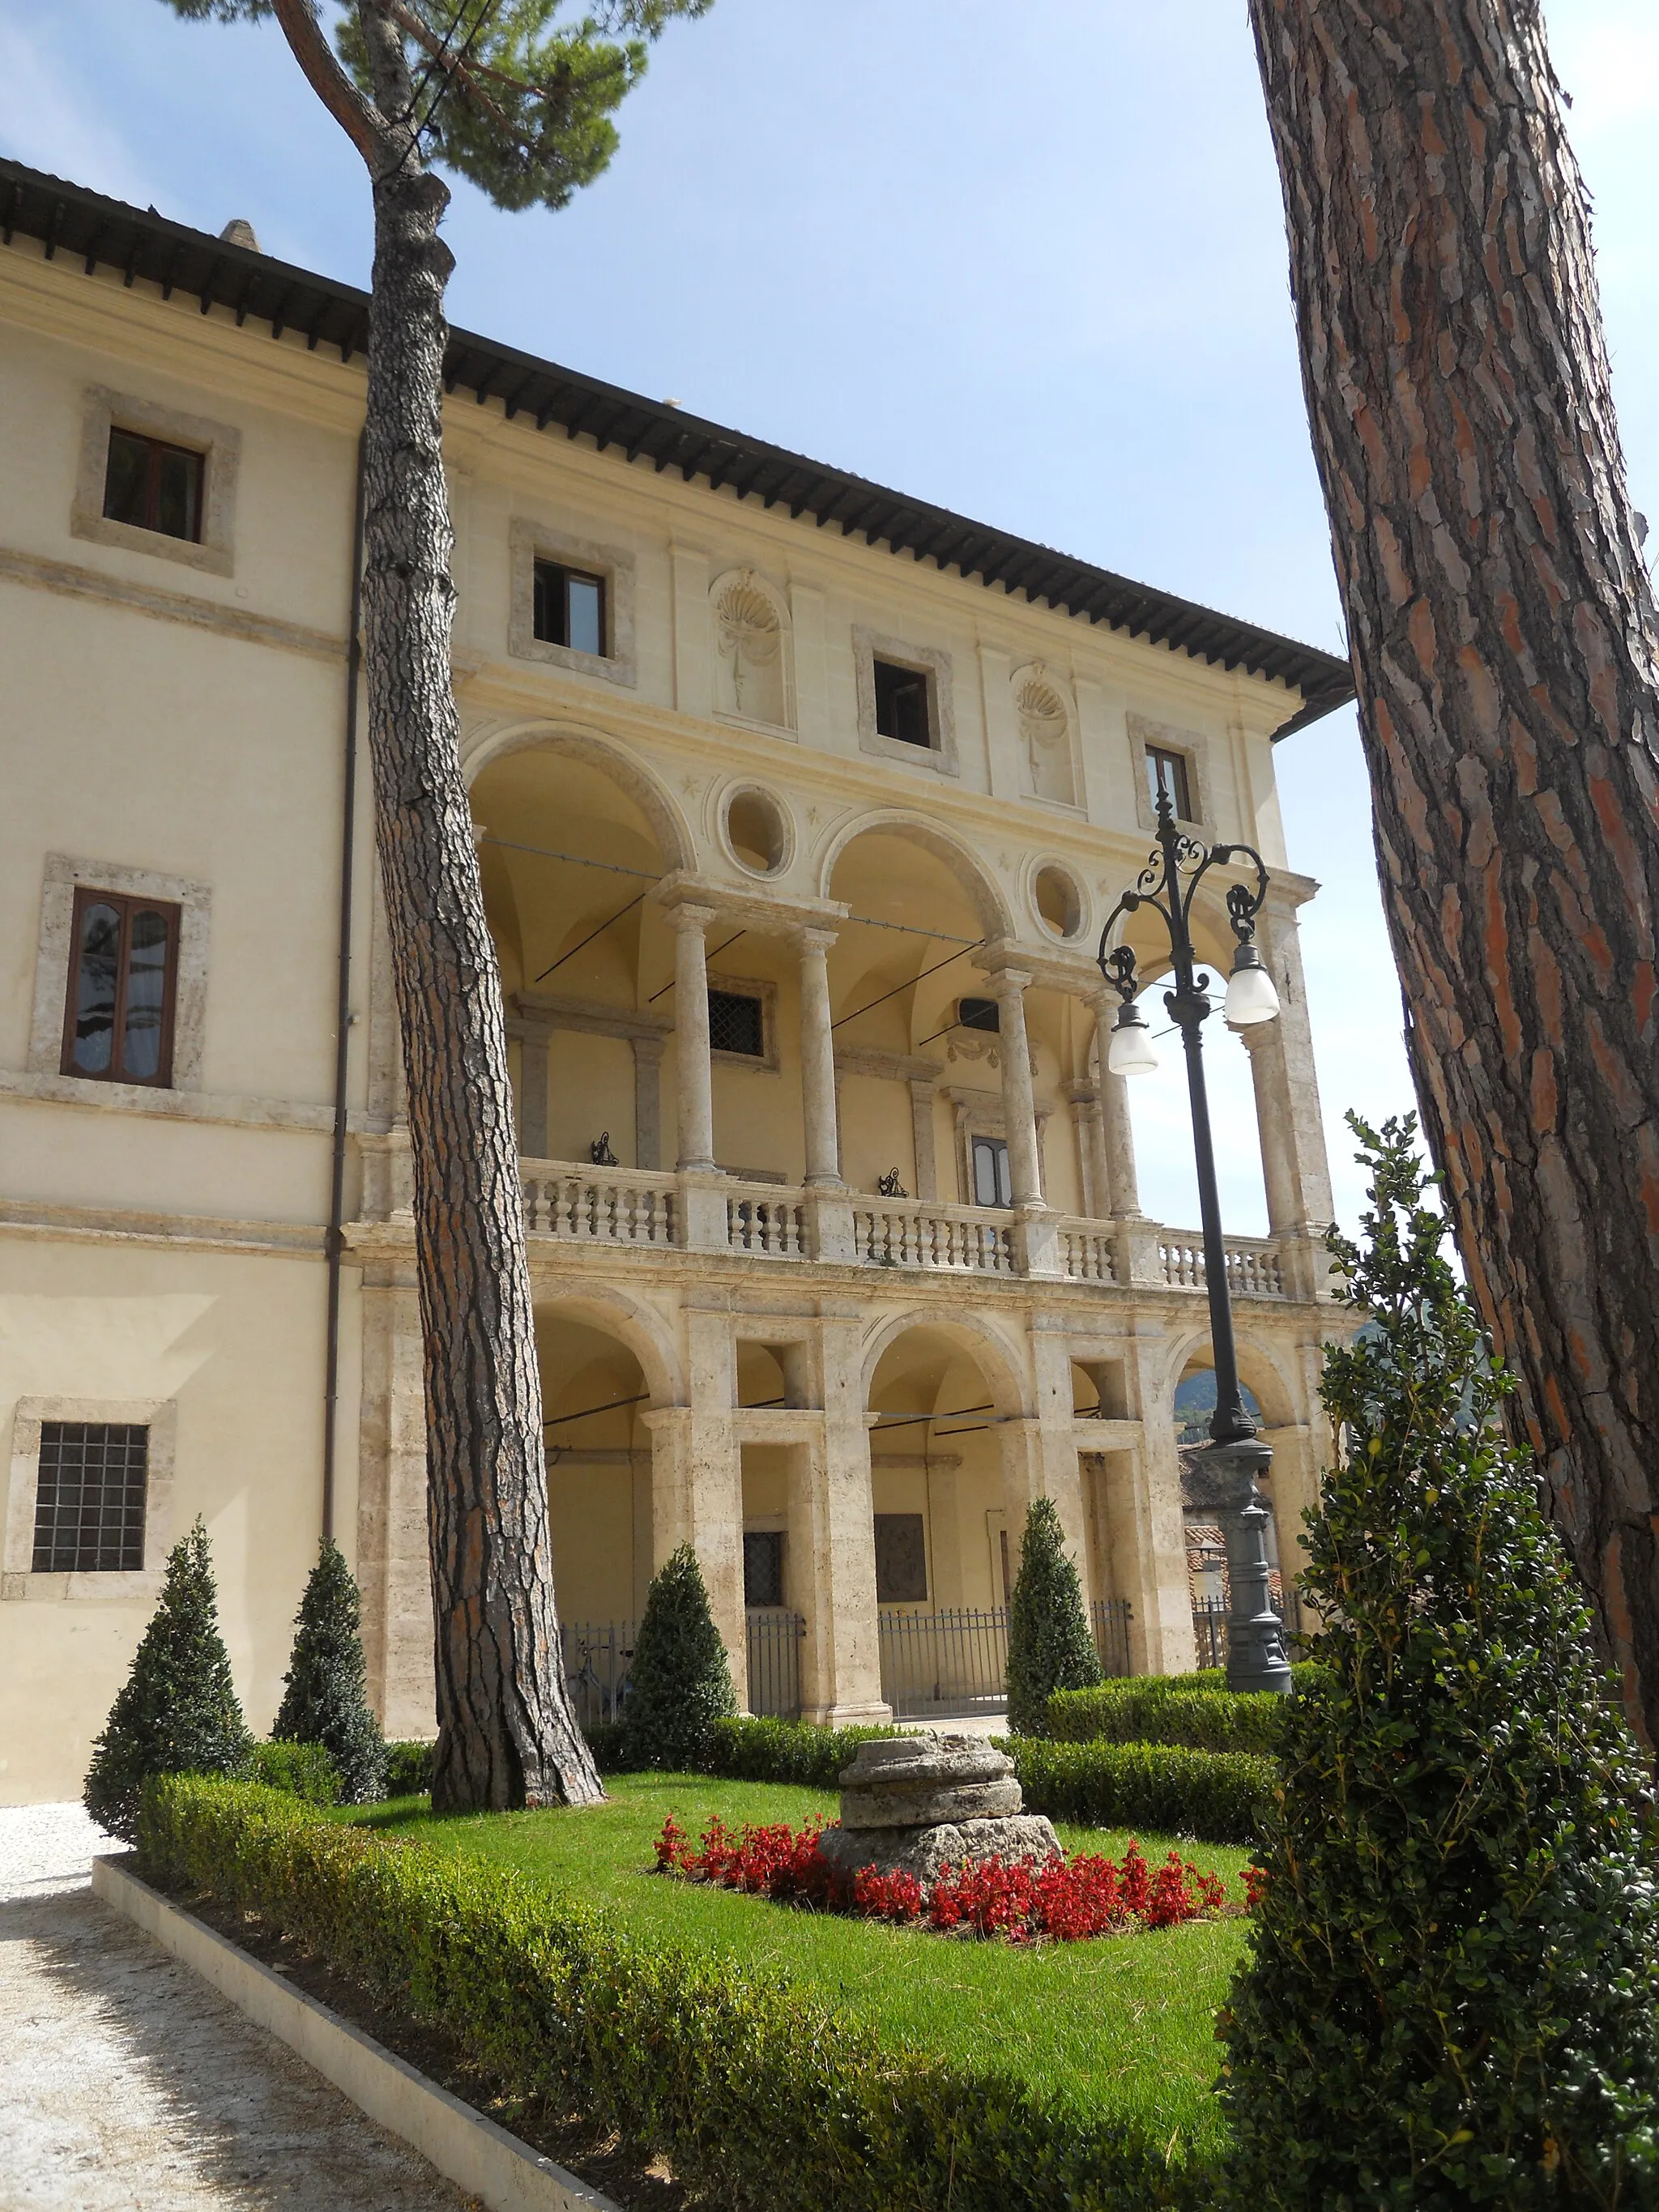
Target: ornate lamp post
(1236, 1457)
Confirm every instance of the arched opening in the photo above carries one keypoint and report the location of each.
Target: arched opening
(569, 857)
(595, 1391)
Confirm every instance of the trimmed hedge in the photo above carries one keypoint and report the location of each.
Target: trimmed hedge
(1220, 1797)
(1202, 1720)
(408, 1769)
(304, 1770)
(755, 2094)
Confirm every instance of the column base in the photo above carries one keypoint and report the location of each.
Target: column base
(872, 1716)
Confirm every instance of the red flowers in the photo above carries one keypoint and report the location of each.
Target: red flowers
(1065, 1899)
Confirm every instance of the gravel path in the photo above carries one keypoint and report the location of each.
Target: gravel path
(128, 2085)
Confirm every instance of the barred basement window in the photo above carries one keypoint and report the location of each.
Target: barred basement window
(737, 1024)
(89, 1497)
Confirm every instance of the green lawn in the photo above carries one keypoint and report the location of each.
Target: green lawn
(1125, 2023)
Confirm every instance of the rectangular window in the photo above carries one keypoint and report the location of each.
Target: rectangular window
(737, 1024)
(992, 1182)
(153, 485)
(123, 980)
(569, 608)
(89, 1497)
(902, 707)
(1167, 772)
(901, 1560)
(762, 1566)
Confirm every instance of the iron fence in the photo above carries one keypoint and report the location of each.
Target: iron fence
(945, 1666)
(1109, 1616)
(1210, 1627)
(598, 1659)
(774, 1637)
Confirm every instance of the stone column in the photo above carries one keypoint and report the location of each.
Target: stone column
(393, 1566)
(648, 1101)
(1085, 1102)
(1116, 1131)
(921, 1133)
(817, 1062)
(535, 1041)
(696, 1090)
(1019, 1104)
(833, 1543)
(696, 1482)
(1292, 1131)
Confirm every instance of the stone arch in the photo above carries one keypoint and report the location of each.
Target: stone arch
(1259, 1369)
(983, 891)
(980, 1340)
(579, 741)
(634, 1324)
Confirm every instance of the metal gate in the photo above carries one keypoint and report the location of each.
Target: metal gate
(774, 1636)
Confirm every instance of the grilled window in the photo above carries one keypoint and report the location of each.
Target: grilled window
(90, 1497)
(737, 1024)
(1167, 771)
(992, 1182)
(153, 485)
(903, 710)
(569, 608)
(123, 980)
(762, 1566)
(901, 1560)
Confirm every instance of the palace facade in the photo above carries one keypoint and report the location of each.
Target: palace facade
(799, 804)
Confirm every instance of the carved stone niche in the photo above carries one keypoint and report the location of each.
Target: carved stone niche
(1045, 736)
(752, 652)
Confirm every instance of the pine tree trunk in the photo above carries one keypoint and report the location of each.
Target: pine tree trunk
(507, 1736)
(1504, 642)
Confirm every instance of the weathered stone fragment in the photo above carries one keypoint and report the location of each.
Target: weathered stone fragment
(929, 1852)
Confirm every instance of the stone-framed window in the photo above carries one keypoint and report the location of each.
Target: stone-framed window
(1151, 741)
(66, 889)
(535, 545)
(979, 1130)
(906, 709)
(89, 1497)
(749, 1016)
(99, 480)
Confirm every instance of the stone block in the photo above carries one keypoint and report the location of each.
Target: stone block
(926, 1804)
(928, 1853)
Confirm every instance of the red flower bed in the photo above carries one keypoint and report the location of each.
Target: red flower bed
(1066, 1900)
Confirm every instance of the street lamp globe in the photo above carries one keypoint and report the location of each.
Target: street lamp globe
(1130, 1052)
(1251, 997)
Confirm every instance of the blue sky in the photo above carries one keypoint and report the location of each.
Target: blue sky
(1026, 262)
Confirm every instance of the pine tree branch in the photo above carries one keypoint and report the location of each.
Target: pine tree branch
(364, 124)
(462, 74)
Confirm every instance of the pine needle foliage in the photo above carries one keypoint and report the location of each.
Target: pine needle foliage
(177, 1713)
(680, 1684)
(1050, 1644)
(326, 1698)
(1453, 1998)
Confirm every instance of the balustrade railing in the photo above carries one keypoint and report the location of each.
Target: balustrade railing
(1254, 1267)
(1088, 1251)
(597, 1206)
(946, 1239)
(762, 1218)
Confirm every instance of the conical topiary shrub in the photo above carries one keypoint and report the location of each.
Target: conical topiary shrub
(325, 1700)
(1454, 1995)
(177, 1711)
(1049, 1645)
(680, 1684)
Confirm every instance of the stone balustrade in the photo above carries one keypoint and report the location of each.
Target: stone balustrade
(572, 1204)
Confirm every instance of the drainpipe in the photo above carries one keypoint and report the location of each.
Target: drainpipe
(342, 1016)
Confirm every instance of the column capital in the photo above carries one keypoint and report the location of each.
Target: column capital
(809, 938)
(687, 914)
(1008, 982)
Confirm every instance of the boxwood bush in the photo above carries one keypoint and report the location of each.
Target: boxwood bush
(747, 1750)
(304, 1770)
(755, 2094)
(408, 1769)
(1202, 1720)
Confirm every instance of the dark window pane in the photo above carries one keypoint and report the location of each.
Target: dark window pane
(735, 1024)
(980, 1014)
(98, 971)
(126, 481)
(1167, 771)
(147, 976)
(901, 1560)
(548, 619)
(762, 1566)
(901, 705)
(178, 483)
(993, 1183)
(89, 1497)
(585, 614)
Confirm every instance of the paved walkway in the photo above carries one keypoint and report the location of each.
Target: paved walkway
(127, 2085)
